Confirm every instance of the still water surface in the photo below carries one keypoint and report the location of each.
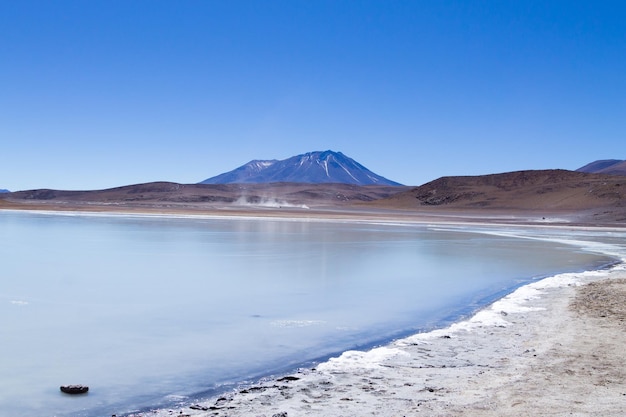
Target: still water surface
(148, 310)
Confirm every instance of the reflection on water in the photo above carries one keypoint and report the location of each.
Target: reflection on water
(143, 308)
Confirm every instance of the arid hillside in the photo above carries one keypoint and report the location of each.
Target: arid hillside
(548, 190)
(574, 196)
(173, 195)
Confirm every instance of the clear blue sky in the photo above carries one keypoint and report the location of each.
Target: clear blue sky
(97, 94)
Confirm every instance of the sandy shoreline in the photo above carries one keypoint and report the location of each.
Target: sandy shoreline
(492, 219)
(555, 347)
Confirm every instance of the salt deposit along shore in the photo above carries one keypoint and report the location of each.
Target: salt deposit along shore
(554, 347)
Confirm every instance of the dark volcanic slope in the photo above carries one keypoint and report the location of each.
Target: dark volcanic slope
(167, 194)
(606, 166)
(599, 165)
(523, 190)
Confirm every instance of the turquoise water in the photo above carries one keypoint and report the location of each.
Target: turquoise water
(149, 310)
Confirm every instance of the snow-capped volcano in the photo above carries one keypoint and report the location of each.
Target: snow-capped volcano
(311, 167)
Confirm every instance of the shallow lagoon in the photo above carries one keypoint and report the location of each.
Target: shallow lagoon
(149, 310)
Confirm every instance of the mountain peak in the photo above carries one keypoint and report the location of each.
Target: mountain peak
(311, 167)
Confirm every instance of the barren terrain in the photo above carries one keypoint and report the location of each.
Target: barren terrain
(589, 197)
(525, 196)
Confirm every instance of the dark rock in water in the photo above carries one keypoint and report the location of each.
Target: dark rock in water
(74, 389)
(252, 389)
(282, 414)
(288, 378)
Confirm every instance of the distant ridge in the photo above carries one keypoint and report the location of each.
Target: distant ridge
(312, 167)
(172, 196)
(546, 195)
(521, 190)
(605, 166)
(4, 191)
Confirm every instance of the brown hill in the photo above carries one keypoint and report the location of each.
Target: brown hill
(172, 195)
(547, 190)
(573, 196)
